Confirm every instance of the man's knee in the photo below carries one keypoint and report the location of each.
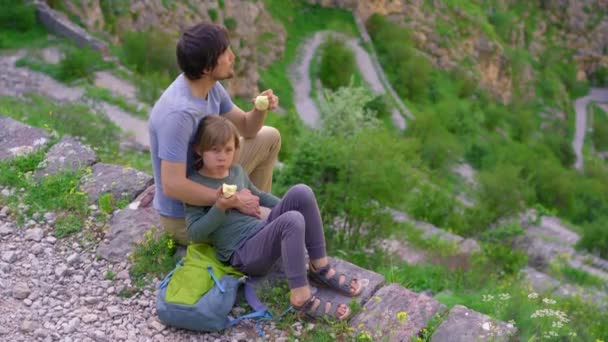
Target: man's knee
(271, 137)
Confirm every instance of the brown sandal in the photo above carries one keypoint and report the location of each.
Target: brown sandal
(319, 276)
(322, 310)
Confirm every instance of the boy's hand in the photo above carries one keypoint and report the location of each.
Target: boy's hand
(224, 203)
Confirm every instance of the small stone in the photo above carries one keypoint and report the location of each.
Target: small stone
(9, 256)
(27, 326)
(41, 332)
(51, 239)
(21, 290)
(124, 275)
(158, 326)
(35, 234)
(89, 318)
(120, 335)
(99, 336)
(78, 278)
(61, 270)
(91, 300)
(72, 259)
(5, 229)
(27, 302)
(114, 311)
(5, 192)
(36, 249)
(49, 216)
(486, 326)
(240, 336)
(111, 290)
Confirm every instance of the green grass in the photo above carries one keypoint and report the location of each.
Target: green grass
(59, 193)
(503, 298)
(76, 120)
(16, 40)
(153, 257)
(77, 64)
(106, 95)
(580, 277)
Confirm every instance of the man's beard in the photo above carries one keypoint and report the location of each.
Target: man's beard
(225, 76)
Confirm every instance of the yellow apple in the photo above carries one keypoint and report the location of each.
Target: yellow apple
(261, 102)
(228, 190)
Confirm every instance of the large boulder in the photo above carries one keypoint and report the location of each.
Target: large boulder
(464, 325)
(67, 155)
(127, 228)
(17, 139)
(395, 314)
(124, 183)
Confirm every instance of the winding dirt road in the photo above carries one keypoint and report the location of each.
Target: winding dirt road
(302, 84)
(580, 107)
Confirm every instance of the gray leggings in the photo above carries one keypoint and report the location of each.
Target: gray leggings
(293, 225)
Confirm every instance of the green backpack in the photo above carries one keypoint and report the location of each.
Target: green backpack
(200, 292)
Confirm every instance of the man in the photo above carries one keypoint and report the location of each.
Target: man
(205, 57)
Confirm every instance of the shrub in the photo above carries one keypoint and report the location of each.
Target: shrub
(149, 52)
(380, 106)
(600, 77)
(501, 191)
(337, 64)
(439, 148)
(79, 63)
(153, 257)
(230, 23)
(344, 112)
(17, 15)
(151, 85)
(212, 12)
(595, 237)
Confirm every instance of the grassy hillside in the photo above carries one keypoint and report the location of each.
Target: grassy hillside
(520, 150)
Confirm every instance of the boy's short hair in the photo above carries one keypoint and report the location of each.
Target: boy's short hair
(214, 130)
(199, 48)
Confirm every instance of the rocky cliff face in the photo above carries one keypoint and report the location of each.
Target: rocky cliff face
(256, 38)
(578, 25)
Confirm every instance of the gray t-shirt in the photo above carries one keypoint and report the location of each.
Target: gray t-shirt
(173, 123)
(227, 230)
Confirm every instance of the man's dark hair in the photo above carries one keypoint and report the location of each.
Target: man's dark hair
(199, 47)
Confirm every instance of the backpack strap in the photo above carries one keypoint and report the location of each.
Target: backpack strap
(260, 309)
(217, 281)
(165, 281)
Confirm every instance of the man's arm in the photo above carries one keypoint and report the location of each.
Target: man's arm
(249, 123)
(176, 185)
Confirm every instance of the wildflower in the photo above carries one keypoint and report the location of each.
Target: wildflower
(402, 316)
(533, 295)
(487, 298)
(377, 298)
(549, 301)
(504, 296)
(557, 324)
(364, 336)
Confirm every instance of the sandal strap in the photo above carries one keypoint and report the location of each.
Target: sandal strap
(319, 311)
(334, 282)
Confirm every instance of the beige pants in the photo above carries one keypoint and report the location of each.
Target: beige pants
(257, 157)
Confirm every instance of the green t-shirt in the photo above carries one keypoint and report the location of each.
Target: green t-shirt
(227, 230)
